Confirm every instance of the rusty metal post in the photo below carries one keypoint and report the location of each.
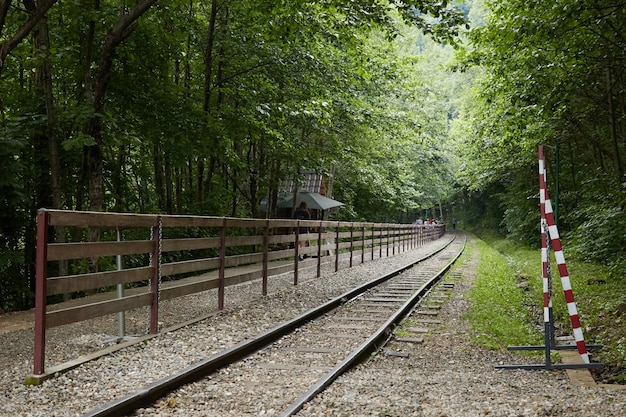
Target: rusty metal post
(319, 250)
(373, 240)
(387, 239)
(121, 316)
(337, 248)
(222, 272)
(296, 254)
(404, 238)
(266, 248)
(363, 243)
(155, 281)
(351, 242)
(43, 220)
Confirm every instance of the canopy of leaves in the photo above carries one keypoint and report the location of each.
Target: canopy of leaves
(551, 73)
(205, 107)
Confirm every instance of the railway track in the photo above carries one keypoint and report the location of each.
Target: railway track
(297, 359)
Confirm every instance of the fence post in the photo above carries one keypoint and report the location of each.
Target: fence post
(43, 220)
(222, 271)
(351, 242)
(373, 239)
(387, 245)
(337, 248)
(121, 316)
(296, 253)
(155, 281)
(266, 248)
(319, 250)
(363, 243)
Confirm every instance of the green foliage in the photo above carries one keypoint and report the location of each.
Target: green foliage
(207, 109)
(600, 238)
(600, 298)
(547, 73)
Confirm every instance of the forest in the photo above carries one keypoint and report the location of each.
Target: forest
(186, 107)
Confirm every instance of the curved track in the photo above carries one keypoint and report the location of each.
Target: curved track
(301, 357)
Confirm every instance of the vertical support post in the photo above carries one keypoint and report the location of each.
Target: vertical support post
(266, 249)
(43, 220)
(319, 249)
(296, 253)
(337, 247)
(351, 242)
(363, 243)
(121, 316)
(155, 281)
(388, 239)
(408, 238)
(222, 271)
(373, 239)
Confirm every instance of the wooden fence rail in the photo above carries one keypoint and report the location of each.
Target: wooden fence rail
(172, 256)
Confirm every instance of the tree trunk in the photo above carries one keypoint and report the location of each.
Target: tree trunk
(169, 187)
(36, 11)
(117, 34)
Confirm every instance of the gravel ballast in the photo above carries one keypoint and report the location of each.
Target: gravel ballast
(444, 376)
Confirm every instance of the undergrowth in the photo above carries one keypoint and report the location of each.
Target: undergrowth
(516, 274)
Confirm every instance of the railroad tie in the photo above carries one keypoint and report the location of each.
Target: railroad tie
(385, 300)
(358, 318)
(417, 329)
(427, 312)
(409, 339)
(291, 367)
(396, 354)
(305, 349)
(428, 321)
(337, 335)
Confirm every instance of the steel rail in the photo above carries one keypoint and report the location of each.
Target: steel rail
(152, 392)
(373, 343)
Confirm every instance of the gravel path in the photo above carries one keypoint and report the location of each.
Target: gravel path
(448, 376)
(444, 376)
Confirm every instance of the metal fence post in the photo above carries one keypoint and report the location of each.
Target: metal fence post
(43, 220)
(337, 248)
(296, 254)
(155, 282)
(222, 272)
(319, 250)
(266, 248)
(121, 316)
(351, 242)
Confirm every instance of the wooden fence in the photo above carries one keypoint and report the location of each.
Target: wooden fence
(172, 256)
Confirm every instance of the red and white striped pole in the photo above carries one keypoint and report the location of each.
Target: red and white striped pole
(562, 267)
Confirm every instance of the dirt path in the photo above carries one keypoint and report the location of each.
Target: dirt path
(18, 320)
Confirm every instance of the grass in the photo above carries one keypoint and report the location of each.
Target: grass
(504, 314)
(497, 312)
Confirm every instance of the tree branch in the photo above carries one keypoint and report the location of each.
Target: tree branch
(24, 30)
